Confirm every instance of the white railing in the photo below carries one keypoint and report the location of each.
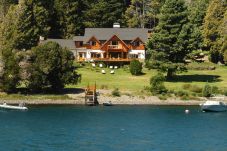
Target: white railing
(113, 47)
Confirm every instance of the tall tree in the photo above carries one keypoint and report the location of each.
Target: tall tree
(33, 22)
(143, 13)
(68, 17)
(169, 44)
(211, 33)
(104, 13)
(197, 12)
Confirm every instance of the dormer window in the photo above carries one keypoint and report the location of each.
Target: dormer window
(136, 43)
(93, 43)
(114, 43)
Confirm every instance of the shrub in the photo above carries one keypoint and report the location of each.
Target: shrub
(201, 66)
(225, 92)
(162, 97)
(207, 91)
(104, 86)
(186, 86)
(157, 84)
(181, 93)
(135, 67)
(116, 92)
(215, 90)
(196, 89)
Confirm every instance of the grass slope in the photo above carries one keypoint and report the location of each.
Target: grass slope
(123, 80)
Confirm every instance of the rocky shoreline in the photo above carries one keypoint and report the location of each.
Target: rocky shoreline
(78, 99)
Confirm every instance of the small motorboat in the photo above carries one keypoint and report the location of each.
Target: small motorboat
(213, 106)
(108, 103)
(12, 107)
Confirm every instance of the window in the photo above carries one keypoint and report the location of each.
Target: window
(114, 42)
(81, 43)
(92, 43)
(137, 43)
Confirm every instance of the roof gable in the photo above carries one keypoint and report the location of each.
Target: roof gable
(122, 33)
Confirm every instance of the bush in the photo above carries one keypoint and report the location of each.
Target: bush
(201, 66)
(207, 91)
(196, 89)
(116, 92)
(135, 67)
(186, 86)
(181, 93)
(157, 84)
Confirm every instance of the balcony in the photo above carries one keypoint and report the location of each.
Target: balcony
(114, 47)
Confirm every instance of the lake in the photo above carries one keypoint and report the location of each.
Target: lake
(116, 128)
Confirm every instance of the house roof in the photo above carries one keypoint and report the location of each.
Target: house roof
(107, 33)
(68, 43)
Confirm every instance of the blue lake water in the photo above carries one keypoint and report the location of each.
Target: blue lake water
(117, 128)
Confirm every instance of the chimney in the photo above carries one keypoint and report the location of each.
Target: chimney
(116, 25)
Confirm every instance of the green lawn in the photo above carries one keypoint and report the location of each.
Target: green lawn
(123, 80)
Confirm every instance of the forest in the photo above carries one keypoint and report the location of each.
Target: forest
(181, 29)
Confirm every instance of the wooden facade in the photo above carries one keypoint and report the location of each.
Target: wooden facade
(113, 49)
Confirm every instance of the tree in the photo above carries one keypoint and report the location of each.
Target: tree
(135, 67)
(32, 23)
(104, 13)
(4, 6)
(68, 17)
(211, 33)
(169, 44)
(51, 67)
(223, 39)
(10, 77)
(143, 13)
(197, 12)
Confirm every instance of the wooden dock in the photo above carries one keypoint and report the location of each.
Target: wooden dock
(91, 98)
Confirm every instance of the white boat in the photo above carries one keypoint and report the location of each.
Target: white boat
(213, 106)
(6, 106)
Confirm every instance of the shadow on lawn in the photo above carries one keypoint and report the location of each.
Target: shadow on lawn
(196, 78)
(25, 91)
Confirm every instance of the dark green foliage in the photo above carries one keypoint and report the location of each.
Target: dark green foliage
(197, 10)
(51, 67)
(10, 78)
(207, 90)
(116, 92)
(104, 13)
(157, 84)
(170, 43)
(136, 67)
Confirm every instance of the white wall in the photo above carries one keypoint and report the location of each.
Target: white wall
(140, 53)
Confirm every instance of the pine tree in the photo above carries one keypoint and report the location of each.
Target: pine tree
(32, 23)
(197, 11)
(68, 17)
(169, 44)
(143, 13)
(211, 33)
(104, 13)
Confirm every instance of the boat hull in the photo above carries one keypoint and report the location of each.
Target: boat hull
(214, 108)
(9, 107)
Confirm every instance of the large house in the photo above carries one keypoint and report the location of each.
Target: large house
(108, 44)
